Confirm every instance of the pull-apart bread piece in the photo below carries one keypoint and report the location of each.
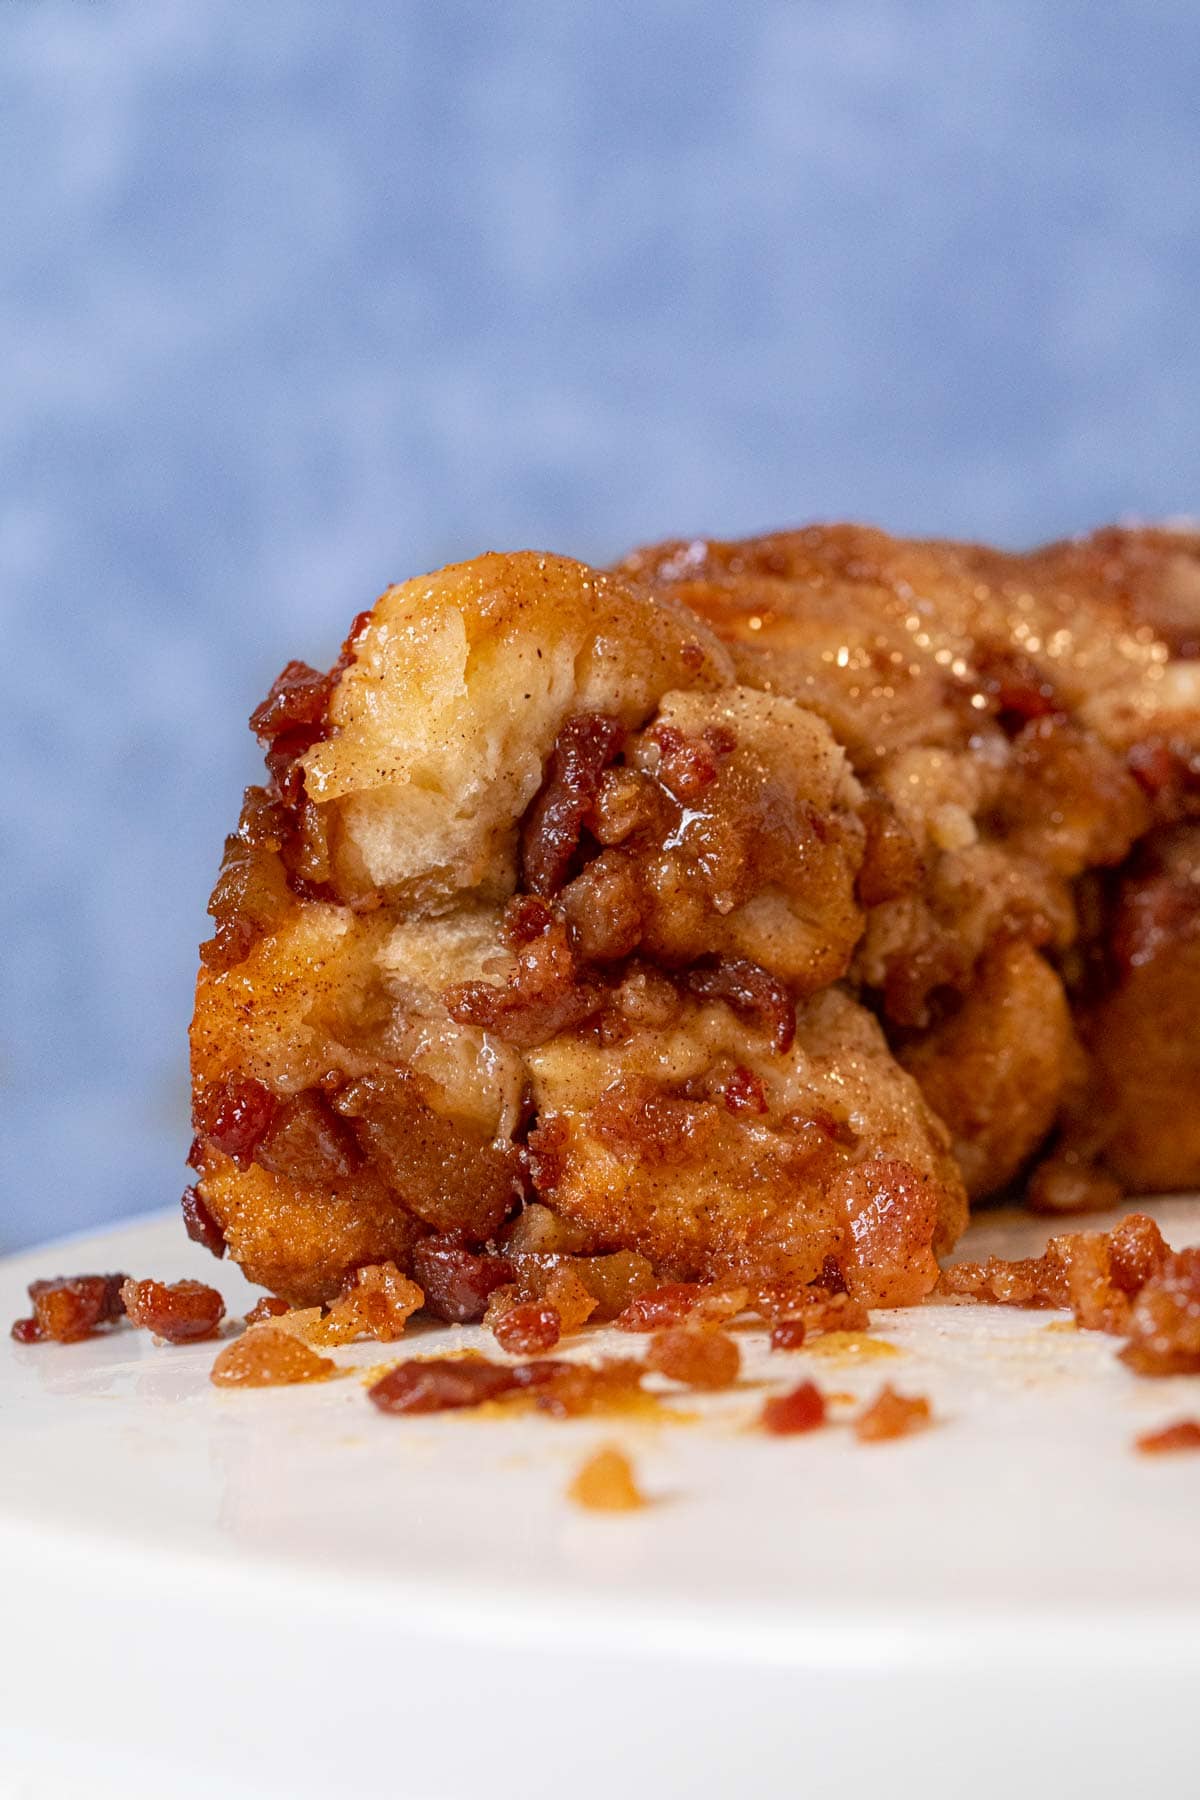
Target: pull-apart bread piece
(553, 897)
(1026, 733)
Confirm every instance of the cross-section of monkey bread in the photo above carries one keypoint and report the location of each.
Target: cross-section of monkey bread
(744, 907)
(546, 902)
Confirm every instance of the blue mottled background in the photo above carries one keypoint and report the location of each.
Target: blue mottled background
(297, 298)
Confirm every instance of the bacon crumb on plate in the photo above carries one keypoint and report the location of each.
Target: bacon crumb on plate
(606, 1483)
(892, 1415)
(1184, 1434)
(801, 1409)
(177, 1312)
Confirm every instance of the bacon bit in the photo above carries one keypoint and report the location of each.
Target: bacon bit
(699, 1357)
(251, 891)
(892, 1214)
(1032, 1281)
(546, 995)
(833, 1276)
(69, 1308)
(443, 1385)
(269, 1306)
(234, 1114)
(606, 1483)
(751, 991)
(1137, 1251)
(178, 1312)
(264, 1357)
(1094, 1273)
(1164, 1326)
(457, 1282)
(576, 1389)
(744, 1092)
(582, 751)
(377, 1302)
(299, 696)
(527, 1329)
(1126, 1281)
(820, 1310)
(680, 1300)
(892, 1415)
(199, 1223)
(803, 1409)
(1184, 1434)
(547, 1278)
(525, 918)
(688, 764)
(788, 1334)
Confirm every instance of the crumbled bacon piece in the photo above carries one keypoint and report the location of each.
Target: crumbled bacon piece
(251, 892)
(783, 1302)
(546, 995)
(1094, 1273)
(234, 1114)
(69, 1308)
(679, 1300)
(528, 1328)
(268, 1306)
(891, 1213)
(803, 1409)
(788, 1334)
(833, 1276)
(377, 1302)
(525, 918)
(1184, 1434)
(263, 1357)
(179, 1312)
(576, 1389)
(892, 1415)
(606, 1483)
(299, 696)
(1000, 1281)
(444, 1385)
(1164, 1324)
(751, 991)
(457, 1282)
(582, 751)
(547, 1278)
(1126, 1281)
(199, 1223)
(744, 1092)
(699, 1357)
(690, 762)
